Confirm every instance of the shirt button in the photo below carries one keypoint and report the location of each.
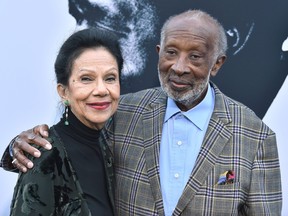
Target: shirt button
(176, 175)
(179, 143)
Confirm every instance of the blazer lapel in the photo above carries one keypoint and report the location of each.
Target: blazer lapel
(152, 127)
(216, 137)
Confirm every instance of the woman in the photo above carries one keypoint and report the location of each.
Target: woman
(76, 176)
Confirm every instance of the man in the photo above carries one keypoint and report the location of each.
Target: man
(187, 149)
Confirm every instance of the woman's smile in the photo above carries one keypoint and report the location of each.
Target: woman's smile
(99, 105)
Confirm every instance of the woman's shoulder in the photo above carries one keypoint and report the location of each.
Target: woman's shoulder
(52, 156)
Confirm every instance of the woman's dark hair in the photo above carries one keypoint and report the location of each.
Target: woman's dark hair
(77, 43)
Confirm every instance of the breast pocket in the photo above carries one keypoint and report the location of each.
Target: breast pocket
(221, 199)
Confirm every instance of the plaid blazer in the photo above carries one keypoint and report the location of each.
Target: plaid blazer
(236, 139)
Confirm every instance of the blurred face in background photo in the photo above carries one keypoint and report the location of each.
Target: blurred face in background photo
(133, 21)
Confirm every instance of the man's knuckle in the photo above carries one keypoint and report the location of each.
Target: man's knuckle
(17, 142)
(16, 153)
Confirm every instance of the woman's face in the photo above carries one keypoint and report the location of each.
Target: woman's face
(94, 88)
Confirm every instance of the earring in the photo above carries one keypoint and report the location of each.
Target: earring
(66, 103)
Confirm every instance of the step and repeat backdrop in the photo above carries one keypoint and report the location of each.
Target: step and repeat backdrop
(255, 72)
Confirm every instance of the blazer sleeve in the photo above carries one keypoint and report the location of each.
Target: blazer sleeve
(265, 196)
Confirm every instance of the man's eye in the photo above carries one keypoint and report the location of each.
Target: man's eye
(170, 52)
(194, 56)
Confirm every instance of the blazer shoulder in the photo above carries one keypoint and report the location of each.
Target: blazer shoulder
(143, 97)
(242, 114)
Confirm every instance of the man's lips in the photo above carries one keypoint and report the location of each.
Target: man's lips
(178, 84)
(99, 105)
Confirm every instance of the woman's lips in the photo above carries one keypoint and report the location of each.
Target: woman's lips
(99, 105)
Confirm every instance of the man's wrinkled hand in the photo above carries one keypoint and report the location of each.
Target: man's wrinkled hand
(23, 144)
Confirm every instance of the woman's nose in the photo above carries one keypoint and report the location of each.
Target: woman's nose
(100, 88)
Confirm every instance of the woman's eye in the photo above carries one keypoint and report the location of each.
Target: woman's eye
(86, 80)
(110, 79)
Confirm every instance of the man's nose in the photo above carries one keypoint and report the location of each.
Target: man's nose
(181, 66)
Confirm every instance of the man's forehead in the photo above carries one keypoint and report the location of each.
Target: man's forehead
(197, 27)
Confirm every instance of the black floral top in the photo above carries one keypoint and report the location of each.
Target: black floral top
(54, 187)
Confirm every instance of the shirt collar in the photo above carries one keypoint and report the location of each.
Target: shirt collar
(198, 115)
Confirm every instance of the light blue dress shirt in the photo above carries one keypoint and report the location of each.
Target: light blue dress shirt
(182, 136)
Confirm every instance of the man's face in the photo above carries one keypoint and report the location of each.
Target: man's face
(186, 61)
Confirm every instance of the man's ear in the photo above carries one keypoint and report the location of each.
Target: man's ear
(218, 64)
(158, 48)
(62, 91)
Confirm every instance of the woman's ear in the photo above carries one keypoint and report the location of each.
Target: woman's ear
(62, 91)
(218, 64)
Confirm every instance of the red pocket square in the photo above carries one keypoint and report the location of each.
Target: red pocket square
(226, 178)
